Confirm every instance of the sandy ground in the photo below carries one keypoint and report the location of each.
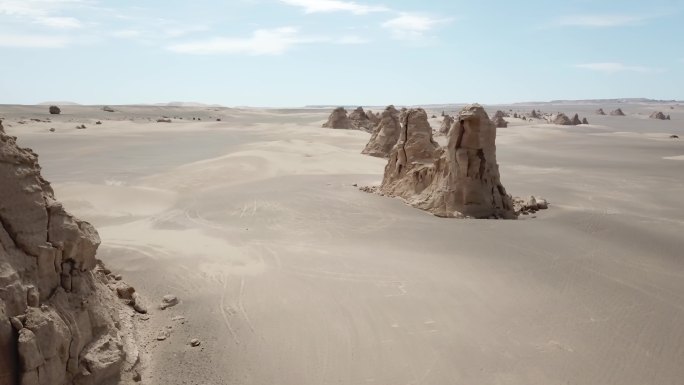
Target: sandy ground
(290, 275)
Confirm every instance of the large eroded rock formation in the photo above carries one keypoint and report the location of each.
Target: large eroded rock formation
(461, 180)
(59, 322)
(385, 135)
(360, 120)
(447, 122)
(338, 119)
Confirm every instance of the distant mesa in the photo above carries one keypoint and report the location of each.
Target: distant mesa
(54, 110)
(659, 115)
(360, 120)
(447, 122)
(500, 122)
(338, 120)
(600, 112)
(617, 112)
(385, 135)
(461, 180)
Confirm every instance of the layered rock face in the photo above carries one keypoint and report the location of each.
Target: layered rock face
(338, 119)
(459, 181)
(447, 122)
(360, 120)
(59, 322)
(385, 135)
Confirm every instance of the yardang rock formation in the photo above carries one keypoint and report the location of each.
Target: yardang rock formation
(338, 119)
(385, 135)
(461, 180)
(59, 321)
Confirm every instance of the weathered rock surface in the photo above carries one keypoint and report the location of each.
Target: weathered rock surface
(447, 122)
(59, 322)
(617, 112)
(562, 119)
(461, 180)
(385, 135)
(338, 119)
(359, 120)
(658, 115)
(54, 110)
(373, 117)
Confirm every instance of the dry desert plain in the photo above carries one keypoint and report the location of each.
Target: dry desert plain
(288, 274)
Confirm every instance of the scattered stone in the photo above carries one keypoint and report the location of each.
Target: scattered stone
(617, 112)
(107, 109)
(54, 110)
(138, 304)
(338, 119)
(163, 335)
(98, 122)
(81, 127)
(163, 120)
(674, 137)
(529, 205)
(218, 119)
(52, 129)
(168, 301)
(194, 342)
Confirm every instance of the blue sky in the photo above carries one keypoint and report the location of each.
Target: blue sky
(366, 52)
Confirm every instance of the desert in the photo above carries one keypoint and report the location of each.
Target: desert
(261, 260)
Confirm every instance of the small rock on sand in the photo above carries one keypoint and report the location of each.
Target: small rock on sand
(194, 342)
(164, 334)
(168, 300)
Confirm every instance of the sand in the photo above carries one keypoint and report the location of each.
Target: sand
(288, 274)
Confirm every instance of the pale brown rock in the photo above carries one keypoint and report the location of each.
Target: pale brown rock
(447, 122)
(385, 135)
(500, 122)
(535, 114)
(617, 112)
(658, 115)
(575, 120)
(585, 121)
(54, 110)
(461, 180)
(338, 119)
(359, 120)
(600, 112)
(49, 290)
(562, 119)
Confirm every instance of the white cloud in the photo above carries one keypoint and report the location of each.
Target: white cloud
(320, 6)
(33, 41)
(58, 22)
(262, 42)
(408, 26)
(127, 33)
(353, 40)
(600, 21)
(614, 67)
(43, 12)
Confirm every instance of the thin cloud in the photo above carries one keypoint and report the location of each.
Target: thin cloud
(410, 26)
(601, 21)
(327, 6)
(43, 12)
(353, 40)
(33, 41)
(611, 67)
(262, 42)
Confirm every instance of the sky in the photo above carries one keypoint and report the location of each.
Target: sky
(287, 53)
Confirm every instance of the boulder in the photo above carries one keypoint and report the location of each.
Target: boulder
(54, 110)
(617, 112)
(338, 119)
(54, 301)
(585, 121)
(600, 112)
(385, 135)
(107, 109)
(658, 115)
(461, 180)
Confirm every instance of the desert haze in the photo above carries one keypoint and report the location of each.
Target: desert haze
(258, 256)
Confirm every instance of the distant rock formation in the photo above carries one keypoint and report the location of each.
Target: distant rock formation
(459, 181)
(585, 121)
(338, 119)
(600, 112)
(402, 114)
(59, 322)
(535, 114)
(562, 120)
(385, 135)
(617, 112)
(373, 117)
(447, 122)
(575, 120)
(658, 115)
(54, 110)
(359, 120)
(107, 109)
(667, 117)
(500, 114)
(499, 122)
